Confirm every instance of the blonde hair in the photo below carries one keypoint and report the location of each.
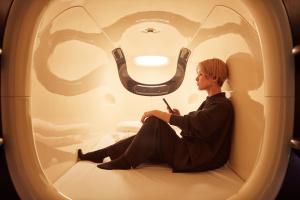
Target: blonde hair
(216, 69)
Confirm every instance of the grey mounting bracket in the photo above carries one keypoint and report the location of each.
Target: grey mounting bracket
(151, 89)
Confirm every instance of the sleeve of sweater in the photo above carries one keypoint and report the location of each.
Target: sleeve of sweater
(202, 123)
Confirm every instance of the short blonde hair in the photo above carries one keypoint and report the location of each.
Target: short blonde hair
(215, 68)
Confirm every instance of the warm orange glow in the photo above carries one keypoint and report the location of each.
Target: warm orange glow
(151, 61)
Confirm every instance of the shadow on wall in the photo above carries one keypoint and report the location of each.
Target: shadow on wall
(246, 75)
(55, 84)
(245, 83)
(104, 40)
(55, 144)
(244, 29)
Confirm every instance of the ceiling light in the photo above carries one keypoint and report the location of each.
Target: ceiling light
(150, 30)
(151, 61)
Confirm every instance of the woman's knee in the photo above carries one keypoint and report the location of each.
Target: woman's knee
(155, 122)
(152, 119)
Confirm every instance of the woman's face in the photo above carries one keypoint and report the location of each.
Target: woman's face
(203, 81)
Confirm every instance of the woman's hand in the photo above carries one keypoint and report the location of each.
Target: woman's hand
(146, 115)
(174, 111)
(156, 113)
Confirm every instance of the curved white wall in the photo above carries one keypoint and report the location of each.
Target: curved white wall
(96, 108)
(23, 163)
(270, 96)
(274, 33)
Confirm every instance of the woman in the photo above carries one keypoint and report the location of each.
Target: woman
(206, 132)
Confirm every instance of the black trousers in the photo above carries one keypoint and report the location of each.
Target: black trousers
(155, 142)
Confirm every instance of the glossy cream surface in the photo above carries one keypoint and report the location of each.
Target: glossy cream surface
(63, 91)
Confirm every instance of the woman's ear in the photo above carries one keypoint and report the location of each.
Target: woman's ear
(215, 79)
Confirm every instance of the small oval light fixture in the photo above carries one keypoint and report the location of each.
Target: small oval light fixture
(151, 61)
(150, 30)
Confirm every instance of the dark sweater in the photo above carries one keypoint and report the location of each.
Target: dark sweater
(206, 135)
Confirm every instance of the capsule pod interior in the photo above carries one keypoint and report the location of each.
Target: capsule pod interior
(61, 90)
